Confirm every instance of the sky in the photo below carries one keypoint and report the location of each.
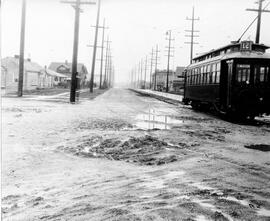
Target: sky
(135, 27)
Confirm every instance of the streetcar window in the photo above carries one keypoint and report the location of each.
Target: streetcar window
(262, 73)
(243, 73)
(267, 74)
(217, 77)
(218, 66)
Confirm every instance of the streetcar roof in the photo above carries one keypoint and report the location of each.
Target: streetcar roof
(233, 55)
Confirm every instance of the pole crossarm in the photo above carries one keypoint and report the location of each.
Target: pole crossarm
(81, 3)
(191, 43)
(91, 46)
(102, 27)
(192, 31)
(256, 10)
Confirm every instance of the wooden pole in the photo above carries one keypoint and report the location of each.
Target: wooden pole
(21, 59)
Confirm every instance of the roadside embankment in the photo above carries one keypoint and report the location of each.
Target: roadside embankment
(166, 97)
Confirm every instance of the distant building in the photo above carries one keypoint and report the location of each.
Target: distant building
(161, 79)
(179, 80)
(65, 69)
(57, 78)
(33, 76)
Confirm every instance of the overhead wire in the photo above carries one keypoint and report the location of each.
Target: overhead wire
(251, 24)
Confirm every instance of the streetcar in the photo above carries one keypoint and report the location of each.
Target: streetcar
(234, 80)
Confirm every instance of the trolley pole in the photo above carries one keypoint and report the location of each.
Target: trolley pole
(95, 50)
(259, 17)
(192, 35)
(21, 59)
(75, 47)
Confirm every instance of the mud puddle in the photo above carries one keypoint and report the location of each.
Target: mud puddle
(154, 120)
(146, 150)
(260, 147)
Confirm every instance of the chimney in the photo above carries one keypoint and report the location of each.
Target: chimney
(66, 62)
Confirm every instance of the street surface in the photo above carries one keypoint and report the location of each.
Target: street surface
(124, 156)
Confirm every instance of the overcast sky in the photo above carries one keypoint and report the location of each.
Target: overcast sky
(135, 26)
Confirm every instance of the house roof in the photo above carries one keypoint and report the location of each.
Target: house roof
(53, 73)
(54, 65)
(29, 66)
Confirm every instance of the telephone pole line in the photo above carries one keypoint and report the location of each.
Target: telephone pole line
(106, 62)
(102, 52)
(76, 4)
(151, 64)
(21, 59)
(141, 72)
(145, 69)
(169, 56)
(102, 49)
(139, 68)
(260, 10)
(95, 50)
(192, 36)
(156, 63)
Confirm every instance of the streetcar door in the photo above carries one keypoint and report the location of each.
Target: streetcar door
(229, 83)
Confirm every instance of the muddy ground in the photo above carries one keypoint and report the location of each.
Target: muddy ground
(123, 156)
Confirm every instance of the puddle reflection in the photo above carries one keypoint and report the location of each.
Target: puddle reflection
(153, 120)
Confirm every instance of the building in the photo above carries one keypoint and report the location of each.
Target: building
(33, 77)
(57, 78)
(65, 69)
(161, 80)
(179, 80)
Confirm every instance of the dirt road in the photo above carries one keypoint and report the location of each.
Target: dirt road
(124, 156)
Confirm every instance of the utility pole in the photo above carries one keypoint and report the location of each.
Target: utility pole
(145, 69)
(141, 72)
(21, 59)
(169, 56)
(73, 87)
(106, 61)
(192, 36)
(139, 68)
(101, 59)
(102, 52)
(95, 50)
(156, 63)
(151, 64)
(259, 10)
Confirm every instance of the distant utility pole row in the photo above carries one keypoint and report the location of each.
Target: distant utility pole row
(137, 80)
